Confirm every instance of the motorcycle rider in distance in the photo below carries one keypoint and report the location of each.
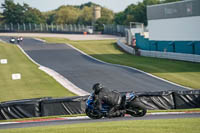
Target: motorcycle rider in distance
(112, 98)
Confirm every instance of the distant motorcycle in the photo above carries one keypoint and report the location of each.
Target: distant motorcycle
(132, 107)
(12, 40)
(19, 39)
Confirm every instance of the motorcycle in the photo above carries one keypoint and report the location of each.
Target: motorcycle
(132, 107)
(12, 40)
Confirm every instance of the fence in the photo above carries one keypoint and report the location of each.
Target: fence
(43, 28)
(115, 29)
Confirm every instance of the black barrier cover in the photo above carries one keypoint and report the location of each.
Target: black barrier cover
(187, 99)
(20, 109)
(156, 100)
(63, 106)
(76, 105)
(170, 99)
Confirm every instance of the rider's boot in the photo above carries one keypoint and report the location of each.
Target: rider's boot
(122, 113)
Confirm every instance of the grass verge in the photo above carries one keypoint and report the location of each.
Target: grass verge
(180, 72)
(34, 83)
(185, 125)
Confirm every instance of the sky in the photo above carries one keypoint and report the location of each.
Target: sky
(47, 5)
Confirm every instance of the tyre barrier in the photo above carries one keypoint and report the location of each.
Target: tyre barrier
(48, 106)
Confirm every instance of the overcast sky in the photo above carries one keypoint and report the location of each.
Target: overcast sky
(46, 5)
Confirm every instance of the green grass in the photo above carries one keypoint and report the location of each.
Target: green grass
(180, 72)
(185, 125)
(34, 83)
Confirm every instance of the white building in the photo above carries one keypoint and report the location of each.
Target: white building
(177, 21)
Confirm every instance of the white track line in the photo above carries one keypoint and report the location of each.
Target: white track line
(41, 40)
(64, 82)
(3, 123)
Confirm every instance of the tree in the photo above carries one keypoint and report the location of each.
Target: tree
(89, 4)
(86, 16)
(135, 13)
(119, 18)
(107, 15)
(67, 15)
(168, 1)
(99, 24)
(1, 19)
(13, 13)
(33, 15)
(16, 13)
(151, 2)
(50, 17)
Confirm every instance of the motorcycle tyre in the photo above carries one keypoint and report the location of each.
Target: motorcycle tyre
(137, 111)
(92, 115)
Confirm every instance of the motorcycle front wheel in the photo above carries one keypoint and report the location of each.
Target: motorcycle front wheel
(136, 111)
(93, 114)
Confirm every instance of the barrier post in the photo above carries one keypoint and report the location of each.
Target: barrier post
(24, 27)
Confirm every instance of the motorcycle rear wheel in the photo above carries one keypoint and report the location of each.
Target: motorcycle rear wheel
(93, 114)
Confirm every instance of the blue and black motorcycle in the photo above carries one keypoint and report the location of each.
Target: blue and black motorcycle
(132, 107)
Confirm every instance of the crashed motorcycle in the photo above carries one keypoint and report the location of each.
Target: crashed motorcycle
(132, 107)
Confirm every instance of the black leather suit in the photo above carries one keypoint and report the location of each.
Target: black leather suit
(113, 99)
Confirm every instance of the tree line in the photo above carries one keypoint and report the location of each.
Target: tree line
(16, 13)
(137, 12)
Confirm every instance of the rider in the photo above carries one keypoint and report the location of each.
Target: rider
(113, 99)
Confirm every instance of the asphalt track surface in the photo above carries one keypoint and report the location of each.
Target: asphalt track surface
(84, 71)
(88, 120)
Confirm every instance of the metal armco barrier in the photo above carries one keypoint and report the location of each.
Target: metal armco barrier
(76, 105)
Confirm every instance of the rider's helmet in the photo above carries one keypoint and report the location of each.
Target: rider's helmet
(97, 87)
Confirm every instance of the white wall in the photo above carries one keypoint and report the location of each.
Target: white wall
(171, 55)
(177, 29)
(126, 48)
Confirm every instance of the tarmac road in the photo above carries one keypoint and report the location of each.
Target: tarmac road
(88, 120)
(84, 71)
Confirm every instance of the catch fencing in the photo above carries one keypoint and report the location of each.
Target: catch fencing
(115, 29)
(40, 107)
(62, 28)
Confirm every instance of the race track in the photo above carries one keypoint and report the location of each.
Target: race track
(84, 71)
